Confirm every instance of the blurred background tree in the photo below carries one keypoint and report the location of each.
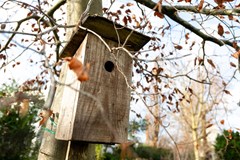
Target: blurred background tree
(18, 116)
(227, 145)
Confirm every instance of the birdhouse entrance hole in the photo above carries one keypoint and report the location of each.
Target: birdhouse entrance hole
(109, 66)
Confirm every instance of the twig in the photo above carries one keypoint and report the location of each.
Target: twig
(171, 12)
(17, 56)
(52, 90)
(103, 41)
(148, 60)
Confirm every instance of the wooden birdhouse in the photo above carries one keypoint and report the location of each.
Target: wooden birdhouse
(97, 110)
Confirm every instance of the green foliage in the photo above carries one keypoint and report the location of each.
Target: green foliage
(99, 152)
(17, 131)
(227, 145)
(141, 151)
(6, 89)
(153, 153)
(113, 155)
(136, 127)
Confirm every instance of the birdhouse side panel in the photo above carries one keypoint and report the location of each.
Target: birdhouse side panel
(103, 106)
(69, 100)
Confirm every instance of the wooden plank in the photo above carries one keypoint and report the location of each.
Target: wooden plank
(72, 46)
(69, 100)
(106, 29)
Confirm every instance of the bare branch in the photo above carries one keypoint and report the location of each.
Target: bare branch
(55, 7)
(16, 29)
(171, 12)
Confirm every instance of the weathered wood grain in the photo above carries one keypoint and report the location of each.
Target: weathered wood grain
(84, 117)
(69, 99)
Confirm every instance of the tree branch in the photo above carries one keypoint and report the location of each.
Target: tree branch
(49, 14)
(171, 12)
(194, 9)
(56, 37)
(214, 12)
(16, 29)
(55, 7)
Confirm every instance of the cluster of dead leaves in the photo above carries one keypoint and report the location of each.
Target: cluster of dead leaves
(78, 68)
(158, 10)
(220, 2)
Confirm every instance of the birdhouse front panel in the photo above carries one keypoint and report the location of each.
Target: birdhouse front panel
(101, 112)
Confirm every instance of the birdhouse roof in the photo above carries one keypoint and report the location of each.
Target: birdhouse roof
(106, 29)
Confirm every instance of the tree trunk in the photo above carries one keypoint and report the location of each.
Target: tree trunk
(153, 118)
(204, 144)
(76, 7)
(52, 149)
(195, 137)
(81, 150)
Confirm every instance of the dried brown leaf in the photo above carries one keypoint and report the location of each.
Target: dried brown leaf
(224, 83)
(230, 17)
(134, 17)
(188, 1)
(158, 14)
(220, 29)
(129, 4)
(155, 71)
(200, 5)
(234, 45)
(163, 98)
(125, 20)
(158, 10)
(45, 115)
(78, 68)
(128, 11)
(211, 63)
(232, 64)
(195, 61)
(187, 36)
(222, 121)
(220, 2)
(178, 47)
(236, 54)
(3, 26)
(227, 92)
(237, 6)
